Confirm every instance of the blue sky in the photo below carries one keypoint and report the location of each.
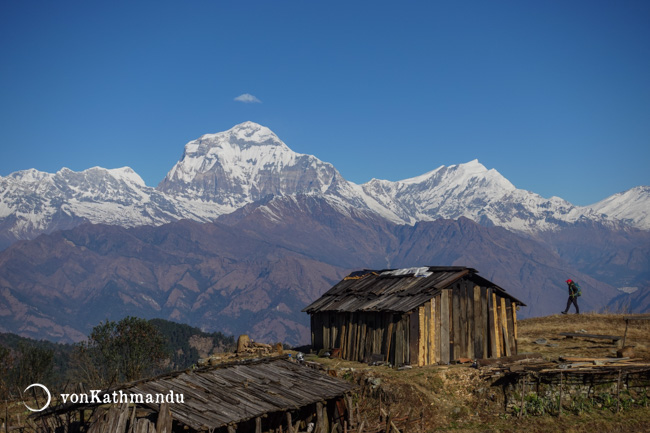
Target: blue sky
(555, 95)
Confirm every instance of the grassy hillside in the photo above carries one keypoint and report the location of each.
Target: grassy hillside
(531, 330)
(456, 397)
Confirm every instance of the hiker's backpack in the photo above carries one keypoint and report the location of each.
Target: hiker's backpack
(577, 291)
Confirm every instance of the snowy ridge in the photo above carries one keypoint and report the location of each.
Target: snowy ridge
(40, 202)
(473, 191)
(220, 173)
(248, 163)
(631, 206)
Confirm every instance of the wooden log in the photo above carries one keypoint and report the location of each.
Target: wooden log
(414, 338)
(497, 333)
(438, 333)
(614, 338)
(369, 350)
(324, 334)
(363, 336)
(444, 327)
(349, 409)
(326, 420)
(353, 337)
(504, 327)
(511, 326)
(319, 428)
(494, 352)
(454, 351)
(164, 421)
(506, 360)
(289, 423)
(431, 333)
(506, 343)
(350, 337)
(357, 337)
(258, 424)
(478, 322)
(399, 343)
(343, 337)
(404, 340)
(427, 333)
(422, 336)
(514, 326)
(468, 316)
(389, 421)
(389, 338)
(485, 323)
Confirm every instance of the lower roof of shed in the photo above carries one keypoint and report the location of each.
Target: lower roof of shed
(236, 392)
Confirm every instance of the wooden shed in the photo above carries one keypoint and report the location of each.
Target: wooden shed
(417, 316)
(261, 395)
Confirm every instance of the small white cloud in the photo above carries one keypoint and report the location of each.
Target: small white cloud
(247, 98)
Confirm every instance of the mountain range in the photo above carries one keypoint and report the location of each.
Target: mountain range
(243, 232)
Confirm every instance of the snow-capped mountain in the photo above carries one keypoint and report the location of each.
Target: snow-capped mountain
(473, 191)
(219, 173)
(631, 206)
(34, 202)
(248, 163)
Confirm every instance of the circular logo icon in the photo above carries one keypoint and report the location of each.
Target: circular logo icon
(47, 391)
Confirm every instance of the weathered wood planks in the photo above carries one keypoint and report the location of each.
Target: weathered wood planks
(468, 318)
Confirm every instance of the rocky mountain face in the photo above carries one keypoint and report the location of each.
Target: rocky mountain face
(59, 286)
(243, 232)
(635, 302)
(254, 272)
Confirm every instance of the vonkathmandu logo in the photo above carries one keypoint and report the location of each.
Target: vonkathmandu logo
(47, 391)
(116, 397)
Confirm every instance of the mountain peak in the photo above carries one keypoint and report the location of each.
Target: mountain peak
(244, 164)
(244, 135)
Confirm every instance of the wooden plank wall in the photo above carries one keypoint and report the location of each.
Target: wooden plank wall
(427, 333)
(361, 334)
(465, 321)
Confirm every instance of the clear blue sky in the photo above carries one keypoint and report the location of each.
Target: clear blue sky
(555, 95)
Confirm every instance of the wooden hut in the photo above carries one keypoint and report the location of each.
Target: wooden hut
(416, 316)
(256, 396)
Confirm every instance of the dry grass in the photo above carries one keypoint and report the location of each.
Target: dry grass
(455, 398)
(530, 330)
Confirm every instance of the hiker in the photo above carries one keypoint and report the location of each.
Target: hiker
(574, 292)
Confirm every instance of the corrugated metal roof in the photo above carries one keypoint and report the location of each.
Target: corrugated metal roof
(394, 290)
